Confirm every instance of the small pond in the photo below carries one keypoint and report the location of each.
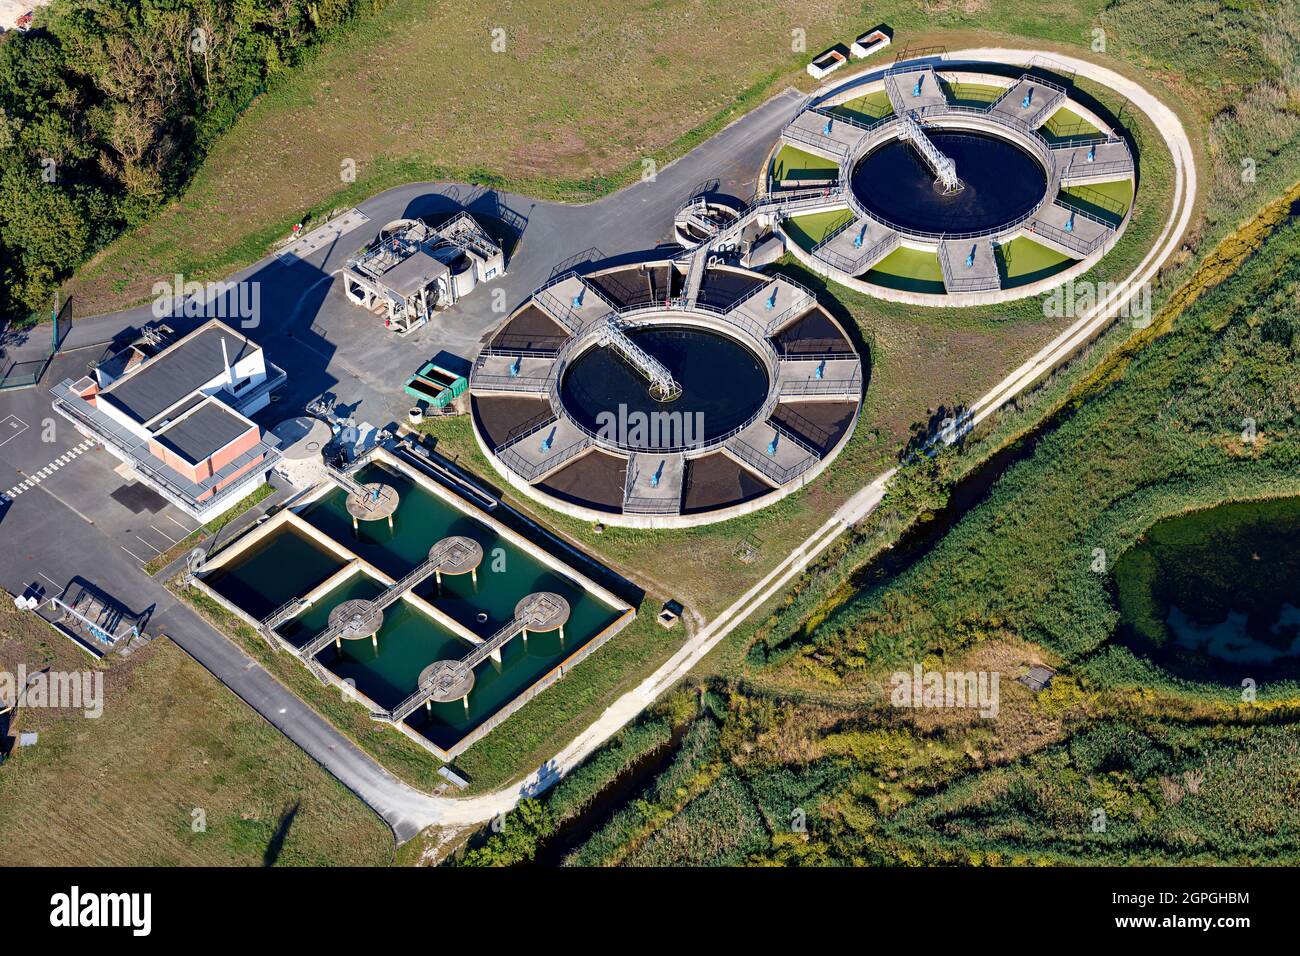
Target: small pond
(1215, 594)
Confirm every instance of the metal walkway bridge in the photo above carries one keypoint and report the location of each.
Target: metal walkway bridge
(447, 679)
(662, 384)
(447, 555)
(945, 170)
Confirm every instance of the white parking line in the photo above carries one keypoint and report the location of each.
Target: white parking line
(146, 544)
(45, 472)
(132, 553)
(11, 426)
(163, 533)
(178, 524)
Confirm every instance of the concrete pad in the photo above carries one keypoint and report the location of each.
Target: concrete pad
(492, 373)
(876, 241)
(663, 498)
(1043, 101)
(534, 456)
(1083, 237)
(776, 454)
(841, 378)
(809, 131)
(774, 304)
(982, 273)
(574, 303)
(326, 235)
(1110, 161)
(900, 88)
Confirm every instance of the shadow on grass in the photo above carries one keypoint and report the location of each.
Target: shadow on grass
(273, 849)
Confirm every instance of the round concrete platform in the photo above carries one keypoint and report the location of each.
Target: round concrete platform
(356, 620)
(378, 503)
(447, 681)
(543, 611)
(460, 555)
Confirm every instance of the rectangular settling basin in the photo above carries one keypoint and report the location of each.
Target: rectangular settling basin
(283, 565)
(475, 606)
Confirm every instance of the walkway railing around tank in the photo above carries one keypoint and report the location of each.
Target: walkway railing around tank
(1111, 169)
(1070, 240)
(873, 253)
(531, 471)
(801, 388)
(645, 504)
(1043, 150)
(953, 281)
(476, 655)
(765, 465)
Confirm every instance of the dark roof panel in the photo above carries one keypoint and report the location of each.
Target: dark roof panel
(206, 430)
(166, 379)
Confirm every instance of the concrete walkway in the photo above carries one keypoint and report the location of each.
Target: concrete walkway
(639, 216)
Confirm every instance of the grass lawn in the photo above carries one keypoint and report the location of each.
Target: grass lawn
(122, 789)
(570, 108)
(808, 231)
(573, 132)
(919, 359)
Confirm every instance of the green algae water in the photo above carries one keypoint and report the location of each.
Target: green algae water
(279, 568)
(410, 640)
(1215, 595)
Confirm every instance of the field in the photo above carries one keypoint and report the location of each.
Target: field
(1118, 762)
(172, 747)
(567, 110)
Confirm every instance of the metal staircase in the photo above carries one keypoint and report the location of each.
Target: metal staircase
(945, 170)
(695, 272)
(662, 384)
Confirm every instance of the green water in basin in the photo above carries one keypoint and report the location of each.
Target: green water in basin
(315, 619)
(410, 640)
(282, 566)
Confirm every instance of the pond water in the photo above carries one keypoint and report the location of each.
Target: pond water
(410, 640)
(1215, 594)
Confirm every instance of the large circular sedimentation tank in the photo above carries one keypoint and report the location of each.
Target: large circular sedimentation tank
(941, 183)
(1001, 183)
(567, 396)
(723, 385)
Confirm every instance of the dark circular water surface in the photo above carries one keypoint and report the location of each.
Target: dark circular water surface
(1003, 183)
(723, 386)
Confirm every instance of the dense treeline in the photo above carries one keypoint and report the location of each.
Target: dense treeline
(107, 107)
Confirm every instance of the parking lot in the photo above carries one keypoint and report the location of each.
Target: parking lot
(63, 497)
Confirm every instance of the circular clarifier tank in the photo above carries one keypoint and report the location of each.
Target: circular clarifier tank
(1002, 184)
(724, 385)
